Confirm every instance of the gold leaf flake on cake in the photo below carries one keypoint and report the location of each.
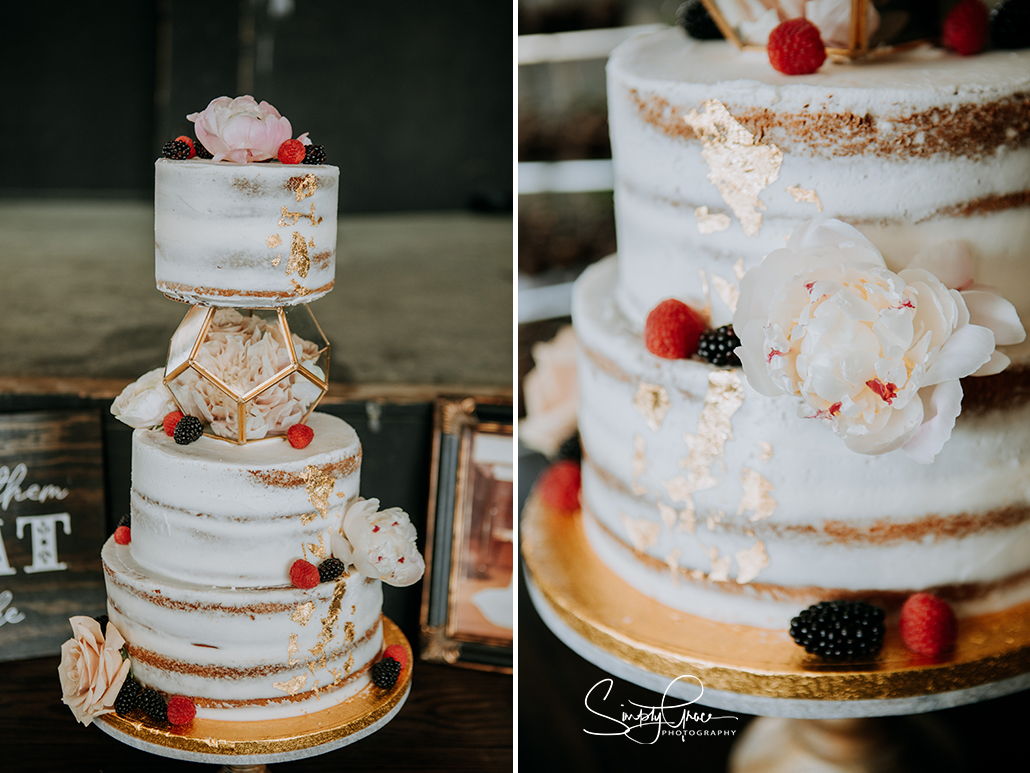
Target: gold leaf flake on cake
(727, 291)
(292, 649)
(337, 675)
(302, 613)
(298, 288)
(739, 166)
(311, 243)
(303, 187)
(299, 259)
(318, 550)
(720, 565)
(805, 196)
(329, 621)
(276, 259)
(688, 520)
(765, 450)
(715, 517)
(348, 631)
(349, 664)
(678, 488)
(293, 686)
(306, 518)
(639, 464)
(287, 218)
(724, 397)
(273, 241)
(738, 269)
(710, 222)
(668, 515)
(651, 402)
(672, 561)
(750, 562)
(319, 485)
(757, 495)
(642, 532)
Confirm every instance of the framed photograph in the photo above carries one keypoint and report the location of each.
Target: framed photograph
(468, 593)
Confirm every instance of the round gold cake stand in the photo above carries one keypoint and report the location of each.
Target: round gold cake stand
(240, 746)
(754, 670)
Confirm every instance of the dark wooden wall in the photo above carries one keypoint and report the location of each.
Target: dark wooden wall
(412, 100)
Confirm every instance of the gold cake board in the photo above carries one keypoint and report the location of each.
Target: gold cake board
(273, 740)
(747, 669)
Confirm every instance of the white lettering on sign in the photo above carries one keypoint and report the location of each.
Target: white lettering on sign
(11, 491)
(9, 614)
(5, 566)
(44, 540)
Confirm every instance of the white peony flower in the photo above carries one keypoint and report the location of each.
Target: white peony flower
(379, 544)
(145, 402)
(875, 354)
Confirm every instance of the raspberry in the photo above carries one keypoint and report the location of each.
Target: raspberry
(188, 430)
(559, 486)
(839, 630)
(303, 574)
(330, 569)
(965, 28)
(170, 420)
(291, 152)
(672, 330)
(202, 152)
(314, 154)
(385, 673)
(122, 535)
(300, 435)
(181, 710)
(177, 150)
(716, 346)
(126, 700)
(1010, 24)
(795, 47)
(188, 141)
(150, 702)
(928, 625)
(398, 653)
(693, 17)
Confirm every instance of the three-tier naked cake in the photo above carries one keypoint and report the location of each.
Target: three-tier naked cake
(246, 584)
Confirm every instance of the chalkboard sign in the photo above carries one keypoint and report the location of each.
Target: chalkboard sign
(51, 527)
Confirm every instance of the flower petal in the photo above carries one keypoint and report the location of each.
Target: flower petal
(942, 405)
(951, 262)
(994, 312)
(996, 364)
(963, 353)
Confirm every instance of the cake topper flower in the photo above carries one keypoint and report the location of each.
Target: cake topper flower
(379, 543)
(241, 129)
(145, 402)
(551, 394)
(875, 354)
(92, 670)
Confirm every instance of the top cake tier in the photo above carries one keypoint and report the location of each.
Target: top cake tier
(256, 235)
(718, 158)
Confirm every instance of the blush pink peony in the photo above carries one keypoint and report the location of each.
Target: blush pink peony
(875, 354)
(92, 670)
(241, 129)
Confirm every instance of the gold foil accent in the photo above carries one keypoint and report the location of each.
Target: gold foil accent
(668, 515)
(738, 269)
(750, 562)
(805, 195)
(348, 666)
(276, 259)
(642, 532)
(720, 565)
(311, 243)
(302, 614)
(715, 517)
(688, 521)
(639, 464)
(710, 222)
(348, 632)
(739, 167)
(306, 187)
(292, 649)
(306, 518)
(651, 402)
(765, 450)
(273, 241)
(724, 397)
(329, 621)
(318, 550)
(298, 288)
(727, 291)
(672, 561)
(299, 260)
(319, 485)
(678, 488)
(293, 686)
(756, 496)
(287, 218)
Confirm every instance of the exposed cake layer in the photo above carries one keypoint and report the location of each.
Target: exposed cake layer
(723, 502)
(252, 235)
(718, 158)
(245, 654)
(215, 513)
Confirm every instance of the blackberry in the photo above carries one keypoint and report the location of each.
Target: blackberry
(314, 154)
(202, 152)
(839, 630)
(126, 520)
(103, 620)
(571, 449)
(188, 430)
(150, 702)
(1010, 24)
(176, 149)
(385, 673)
(127, 696)
(716, 346)
(330, 569)
(693, 17)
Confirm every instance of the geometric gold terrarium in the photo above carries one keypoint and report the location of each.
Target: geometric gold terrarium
(268, 367)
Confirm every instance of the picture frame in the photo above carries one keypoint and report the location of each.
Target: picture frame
(467, 616)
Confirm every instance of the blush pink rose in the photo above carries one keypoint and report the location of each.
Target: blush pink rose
(241, 129)
(92, 670)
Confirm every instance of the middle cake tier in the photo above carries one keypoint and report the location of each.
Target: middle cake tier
(219, 514)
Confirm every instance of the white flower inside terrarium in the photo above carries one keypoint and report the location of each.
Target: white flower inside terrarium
(248, 374)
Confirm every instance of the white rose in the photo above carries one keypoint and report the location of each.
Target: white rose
(145, 402)
(92, 670)
(551, 394)
(379, 544)
(875, 354)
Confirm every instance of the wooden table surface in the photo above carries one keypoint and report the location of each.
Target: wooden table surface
(454, 720)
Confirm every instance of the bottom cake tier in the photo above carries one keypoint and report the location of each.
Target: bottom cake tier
(721, 502)
(245, 653)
